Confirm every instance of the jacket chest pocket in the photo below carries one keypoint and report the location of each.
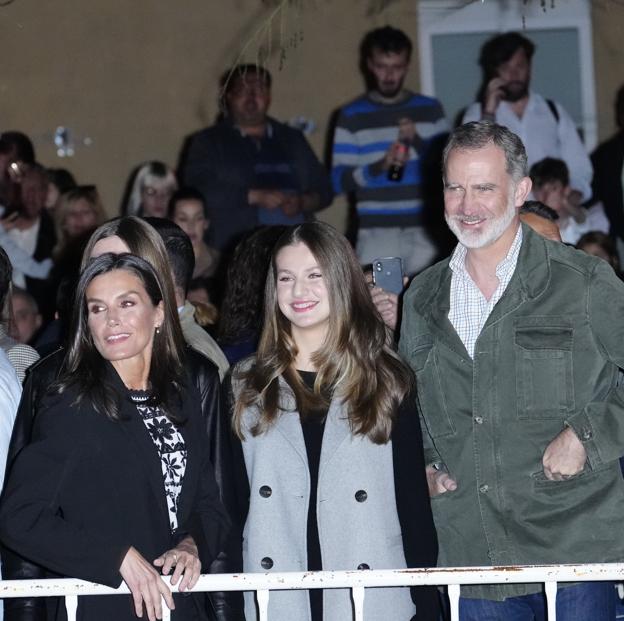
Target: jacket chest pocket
(544, 373)
(431, 399)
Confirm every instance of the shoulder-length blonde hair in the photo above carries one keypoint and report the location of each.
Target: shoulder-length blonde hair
(87, 193)
(355, 363)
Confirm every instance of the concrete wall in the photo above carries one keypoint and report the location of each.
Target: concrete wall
(136, 76)
(608, 34)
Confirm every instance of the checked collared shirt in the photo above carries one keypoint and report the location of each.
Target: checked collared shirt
(469, 308)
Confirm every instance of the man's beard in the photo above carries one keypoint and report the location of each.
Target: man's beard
(515, 91)
(490, 233)
(389, 91)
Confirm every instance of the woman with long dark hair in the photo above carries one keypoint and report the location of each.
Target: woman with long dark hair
(240, 318)
(116, 484)
(330, 437)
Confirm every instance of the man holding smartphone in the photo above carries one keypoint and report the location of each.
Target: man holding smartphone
(543, 125)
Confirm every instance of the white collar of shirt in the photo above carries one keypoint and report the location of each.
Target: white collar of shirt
(268, 132)
(469, 309)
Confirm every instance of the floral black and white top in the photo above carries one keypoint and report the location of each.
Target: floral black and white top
(171, 448)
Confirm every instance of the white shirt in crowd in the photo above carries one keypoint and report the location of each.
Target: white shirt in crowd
(595, 220)
(10, 392)
(545, 136)
(27, 241)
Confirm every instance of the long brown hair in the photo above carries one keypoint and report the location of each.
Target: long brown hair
(84, 367)
(355, 363)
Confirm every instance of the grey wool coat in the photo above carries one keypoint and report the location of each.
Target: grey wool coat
(356, 530)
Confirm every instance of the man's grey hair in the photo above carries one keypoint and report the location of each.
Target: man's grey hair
(479, 134)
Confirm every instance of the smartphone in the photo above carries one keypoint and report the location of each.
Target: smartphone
(388, 274)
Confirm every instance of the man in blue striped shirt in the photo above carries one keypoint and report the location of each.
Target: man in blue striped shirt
(381, 141)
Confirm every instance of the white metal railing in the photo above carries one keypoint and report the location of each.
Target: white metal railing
(357, 581)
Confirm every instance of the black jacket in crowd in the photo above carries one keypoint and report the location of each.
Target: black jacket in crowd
(608, 160)
(220, 163)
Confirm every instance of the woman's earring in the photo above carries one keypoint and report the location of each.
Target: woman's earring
(157, 329)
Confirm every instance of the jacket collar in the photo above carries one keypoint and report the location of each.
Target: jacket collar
(269, 132)
(529, 281)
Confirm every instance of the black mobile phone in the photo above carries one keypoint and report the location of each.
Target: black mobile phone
(388, 274)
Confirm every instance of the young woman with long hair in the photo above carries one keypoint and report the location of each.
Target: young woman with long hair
(330, 438)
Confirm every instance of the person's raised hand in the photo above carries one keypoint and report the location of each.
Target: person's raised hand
(407, 130)
(387, 305)
(494, 92)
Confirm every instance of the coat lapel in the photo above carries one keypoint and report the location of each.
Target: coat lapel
(194, 454)
(337, 430)
(146, 450)
(289, 423)
(530, 278)
(436, 313)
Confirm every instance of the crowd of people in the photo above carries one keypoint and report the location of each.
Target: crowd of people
(214, 381)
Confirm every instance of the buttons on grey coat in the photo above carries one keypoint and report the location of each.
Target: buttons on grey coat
(361, 495)
(266, 562)
(363, 566)
(265, 491)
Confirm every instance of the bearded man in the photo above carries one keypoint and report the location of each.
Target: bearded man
(517, 356)
(384, 143)
(543, 125)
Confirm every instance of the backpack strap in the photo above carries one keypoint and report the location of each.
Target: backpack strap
(553, 109)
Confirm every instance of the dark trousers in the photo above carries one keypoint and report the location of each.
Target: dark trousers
(589, 601)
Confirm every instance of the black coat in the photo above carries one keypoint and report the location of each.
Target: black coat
(225, 606)
(220, 163)
(87, 488)
(607, 161)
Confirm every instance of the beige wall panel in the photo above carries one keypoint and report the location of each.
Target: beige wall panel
(137, 76)
(608, 35)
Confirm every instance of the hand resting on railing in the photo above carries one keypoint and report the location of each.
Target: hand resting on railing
(147, 586)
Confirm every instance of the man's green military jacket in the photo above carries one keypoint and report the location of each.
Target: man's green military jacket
(548, 357)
